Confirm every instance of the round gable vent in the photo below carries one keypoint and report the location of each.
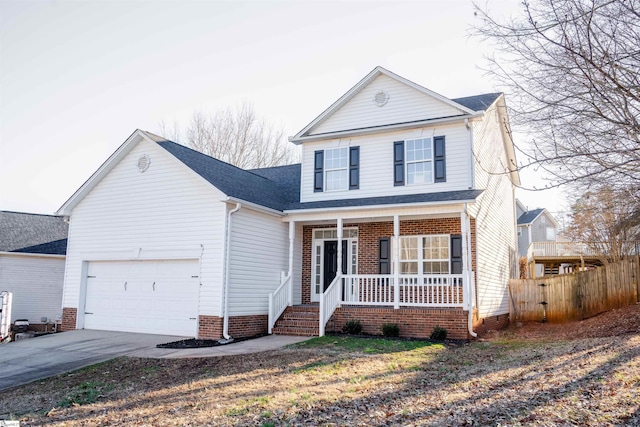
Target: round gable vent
(381, 98)
(143, 163)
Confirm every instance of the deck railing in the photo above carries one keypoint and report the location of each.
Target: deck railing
(279, 300)
(560, 249)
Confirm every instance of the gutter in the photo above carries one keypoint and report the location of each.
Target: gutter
(470, 316)
(225, 323)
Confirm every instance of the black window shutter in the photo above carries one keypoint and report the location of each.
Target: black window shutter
(439, 159)
(318, 172)
(456, 254)
(354, 168)
(398, 163)
(384, 255)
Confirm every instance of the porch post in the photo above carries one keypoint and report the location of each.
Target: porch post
(292, 237)
(465, 262)
(339, 269)
(396, 262)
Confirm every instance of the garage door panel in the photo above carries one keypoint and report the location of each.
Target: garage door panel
(143, 296)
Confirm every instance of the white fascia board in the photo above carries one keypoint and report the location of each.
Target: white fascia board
(32, 255)
(553, 220)
(385, 128)
(378, 207)
(505, 129)
(298, 138)
(254, 206)
(103, 170)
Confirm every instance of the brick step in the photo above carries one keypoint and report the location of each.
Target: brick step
(294, 323)
(304, 309)
(304, 332)
(299, 316)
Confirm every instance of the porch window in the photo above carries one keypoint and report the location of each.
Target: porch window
(336, 163)
(427, 254)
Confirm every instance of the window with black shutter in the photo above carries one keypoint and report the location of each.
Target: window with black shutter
(439, 159)
(384, 255)
(398, 163)
(354, 168)
(318, 171)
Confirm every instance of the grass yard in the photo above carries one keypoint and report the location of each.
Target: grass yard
(336, 381)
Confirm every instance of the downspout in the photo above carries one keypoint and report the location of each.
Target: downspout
(469, 273)
(225, 322)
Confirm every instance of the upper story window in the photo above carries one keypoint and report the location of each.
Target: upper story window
(335, 166)
(419, 161)
(336, 169)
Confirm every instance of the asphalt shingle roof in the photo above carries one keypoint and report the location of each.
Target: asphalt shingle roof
(528, 217)
(478, 102)
(33, 233)
(279, 187)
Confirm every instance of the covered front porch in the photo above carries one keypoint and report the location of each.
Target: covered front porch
(396, 263)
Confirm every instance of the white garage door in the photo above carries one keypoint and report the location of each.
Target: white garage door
(154, 297)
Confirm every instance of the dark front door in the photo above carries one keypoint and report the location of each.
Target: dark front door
(331, 261)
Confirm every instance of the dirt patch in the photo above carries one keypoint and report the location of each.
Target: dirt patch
(613, 323)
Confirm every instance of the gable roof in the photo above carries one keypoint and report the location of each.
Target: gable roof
(33, 233)
(468, 106)
(530, 216)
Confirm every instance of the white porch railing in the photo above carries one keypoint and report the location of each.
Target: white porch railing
(279, 301)
(560, 249)
(414, 290)
(329, 300)
(427, 290)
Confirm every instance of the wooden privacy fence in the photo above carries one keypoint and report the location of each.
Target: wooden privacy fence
(575, 296)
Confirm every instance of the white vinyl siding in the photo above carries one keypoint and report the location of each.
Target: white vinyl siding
(36, 284)
(167, 212)
(376, 163)
(405, 104)
(494, 211)
(259, 252)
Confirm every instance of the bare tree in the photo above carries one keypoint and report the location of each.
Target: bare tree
(571, 71)
(237, 136)
(606, 221)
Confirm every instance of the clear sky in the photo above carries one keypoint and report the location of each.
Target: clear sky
(78, 77)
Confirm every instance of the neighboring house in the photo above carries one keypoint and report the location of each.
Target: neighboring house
(535, 227)
(32, 260)
(402, 211)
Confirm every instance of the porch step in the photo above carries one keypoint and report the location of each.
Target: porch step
(298, 320)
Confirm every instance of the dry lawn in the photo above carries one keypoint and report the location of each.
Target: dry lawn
(539, 375)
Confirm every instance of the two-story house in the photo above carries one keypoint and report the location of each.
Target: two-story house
(401, 211)
(535, 227)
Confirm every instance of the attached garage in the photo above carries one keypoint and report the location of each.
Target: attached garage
(154, 297)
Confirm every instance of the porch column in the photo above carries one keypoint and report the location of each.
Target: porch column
(339, 269)
(292, 237)
(396, 262)
(465, 262)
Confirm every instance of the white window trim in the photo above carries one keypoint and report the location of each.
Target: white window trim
(327, 170)
(421, 258)
(407, 162)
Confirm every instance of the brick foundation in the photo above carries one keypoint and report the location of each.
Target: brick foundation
(492, 323)
(368, 235)
(210, 327)
(69, 316)
(413, 322)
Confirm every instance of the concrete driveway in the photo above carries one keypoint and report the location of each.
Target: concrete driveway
(24, 361)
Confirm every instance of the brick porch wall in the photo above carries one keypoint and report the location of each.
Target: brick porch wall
(412, 322)
(368, 235)
(69, 316)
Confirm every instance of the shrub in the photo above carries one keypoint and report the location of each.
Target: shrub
(438, 334)
(352, 327)
(390, 330)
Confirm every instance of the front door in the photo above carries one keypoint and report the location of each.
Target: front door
(324, 258)
(331, 261)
